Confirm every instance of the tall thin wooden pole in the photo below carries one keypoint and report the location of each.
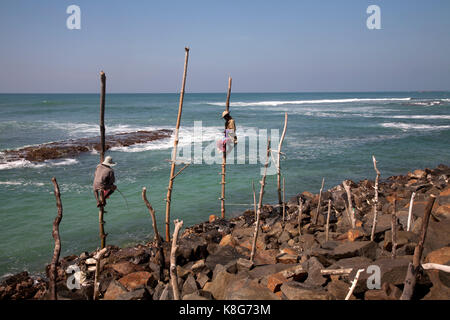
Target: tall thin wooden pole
(55, 234)
(261, 194)
(254, 199)
(102, 115)
(175, 146)
(394, 230)
(102, 155)
(411, 203)
(278, 159)
(284, 200)
(224, 156)
(328, 221)
(375, 204)
(299, 217)
(413, 268)
(318, 204)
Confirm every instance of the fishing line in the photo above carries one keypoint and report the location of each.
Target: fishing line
(126, 202)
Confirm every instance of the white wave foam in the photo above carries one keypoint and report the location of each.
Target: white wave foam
(21, 183)
(412, 126)
(22, 163)
(430, 117)
(277, 103)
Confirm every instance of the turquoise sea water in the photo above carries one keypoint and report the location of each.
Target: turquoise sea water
(331, 135)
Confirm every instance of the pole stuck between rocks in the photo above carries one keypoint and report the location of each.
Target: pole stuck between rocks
(351, 212)
(375, 203)
(411, 203)
(224, 157)
(299, 217)
(261, 193)
(413, 268)
(394, 230)
(98, 257)
(175, 145)
(279, 158)
(316, 219)
(173, 264)
(157, 238)
(328, 220)
(55, 234)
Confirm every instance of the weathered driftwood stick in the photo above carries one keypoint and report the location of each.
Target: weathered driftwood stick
(175, 146)
(224, 157)
(158, 239)
(254, 200)
(394, 230)
(102, 115)
(347, 213)
(55, 234)
(354, 282)
(350, 206)
(318, 204)
(328, 221)
(435, 266)
(375, 204)
(413, 268)
(261, 193)
(98, 257)
(278, 159)
(284, 200)
(411, 203)
(173, 264)
(345, 271)
(300, 211)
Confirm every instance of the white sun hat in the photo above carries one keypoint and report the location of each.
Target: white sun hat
(108, 162)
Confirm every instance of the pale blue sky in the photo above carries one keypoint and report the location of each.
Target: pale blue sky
(266, 46)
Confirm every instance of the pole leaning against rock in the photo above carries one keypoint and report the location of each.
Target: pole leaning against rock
(413, 268)
(173, 264)
(55, 234)
(411, 203)
(261, 193)
(328, 221)
(394, 230)
(375, 204)
(224, 157)
(175, 146)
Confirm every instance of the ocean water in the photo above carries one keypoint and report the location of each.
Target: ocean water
(330, 135)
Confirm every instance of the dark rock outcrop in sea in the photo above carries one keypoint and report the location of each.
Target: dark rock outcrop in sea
(290, 263)
(73, 147)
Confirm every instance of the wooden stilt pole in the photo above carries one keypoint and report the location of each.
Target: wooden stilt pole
(350, 206)
(157, 238)
(173, 265)
(175, 145)
(224, 156)
(254, 200)
(300, 211)
(411, 203)
(413, 268)
(394, 230)
(102, 155)
(318, 204)
(55, 234)
(375, 204)
(98, 257)
(328, 220)
(261, 193)
(278, 159)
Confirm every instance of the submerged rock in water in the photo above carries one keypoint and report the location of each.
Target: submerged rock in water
(73, 147)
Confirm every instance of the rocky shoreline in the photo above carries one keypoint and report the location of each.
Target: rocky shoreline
(292, 262)
(73, 147)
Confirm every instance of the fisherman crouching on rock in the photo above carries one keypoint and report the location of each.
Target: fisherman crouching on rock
(104, 181)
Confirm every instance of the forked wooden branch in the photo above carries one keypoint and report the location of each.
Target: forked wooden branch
(355, 281)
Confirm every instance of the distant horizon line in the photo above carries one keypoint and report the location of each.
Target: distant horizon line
(224, 92)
